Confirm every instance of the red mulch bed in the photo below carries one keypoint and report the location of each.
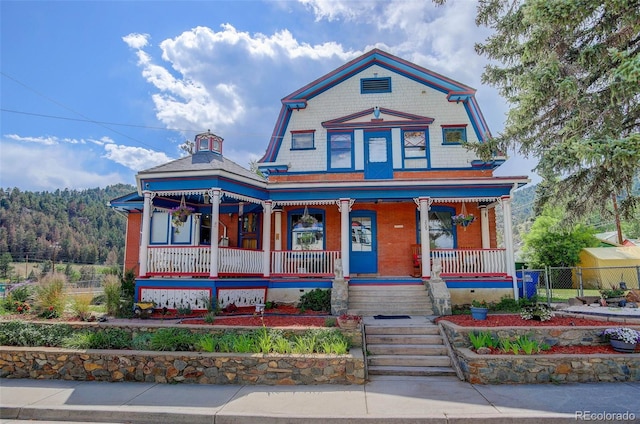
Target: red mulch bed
(281, 316)
(514, 320)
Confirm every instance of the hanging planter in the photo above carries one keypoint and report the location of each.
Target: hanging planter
(180, 214)
(463, 218)
(306, 220)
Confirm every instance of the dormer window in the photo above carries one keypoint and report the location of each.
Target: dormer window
(208, 142)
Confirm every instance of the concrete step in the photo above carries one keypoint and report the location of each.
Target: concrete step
(411, 371)
(406, 349)
(396, 311)
(405, 339)
(409, 361)
(403, 330)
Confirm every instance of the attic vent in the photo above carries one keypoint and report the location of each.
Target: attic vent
(375, 85)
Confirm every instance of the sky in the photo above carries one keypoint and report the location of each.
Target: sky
(92, 92)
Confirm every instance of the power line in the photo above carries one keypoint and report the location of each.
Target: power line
(76, 112)
(95, 122)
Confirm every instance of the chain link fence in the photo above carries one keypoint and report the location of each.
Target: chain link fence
(557, 284)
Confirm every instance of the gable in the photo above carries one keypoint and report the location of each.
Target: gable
(377, 62)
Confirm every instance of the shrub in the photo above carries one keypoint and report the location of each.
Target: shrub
(81, 306)
(112, 289)
(316, 300)
(20, 333)
(141, 342)
(49, 296)
(173, 339)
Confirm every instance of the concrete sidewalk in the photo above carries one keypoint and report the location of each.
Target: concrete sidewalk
(382, 400)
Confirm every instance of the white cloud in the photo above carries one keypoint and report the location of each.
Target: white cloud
(228, 79)
(135, 158)
(57, 166)
(47, 141)
(136, 41)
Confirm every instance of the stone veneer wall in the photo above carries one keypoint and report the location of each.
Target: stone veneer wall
(181, 367)
(545, 368)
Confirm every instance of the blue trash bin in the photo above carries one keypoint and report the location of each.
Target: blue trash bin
(530, 285)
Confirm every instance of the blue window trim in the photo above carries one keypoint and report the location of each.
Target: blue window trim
(438, 208)
(427, 150)
(300, 211)
(341, 169)
(453, 128)
(313, 139)
(362, 91)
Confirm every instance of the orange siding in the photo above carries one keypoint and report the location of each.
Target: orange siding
(132, 242)
(397, 175)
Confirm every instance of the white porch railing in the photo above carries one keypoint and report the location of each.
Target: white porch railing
(303, 262)
(471, 261)
(239, 261)
(192, 260)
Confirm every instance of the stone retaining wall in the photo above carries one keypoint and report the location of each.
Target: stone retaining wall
(522, 369)
(181, 367)
(561, 336)
(545, 368)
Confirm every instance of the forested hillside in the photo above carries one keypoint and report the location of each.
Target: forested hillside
(65, 225)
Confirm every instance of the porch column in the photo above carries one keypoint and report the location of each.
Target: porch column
(424, 204)
(146, 232)
(215, 194)
(266, 237)
(484, 226)
(277, 242)
(344, 206)
(508, 242)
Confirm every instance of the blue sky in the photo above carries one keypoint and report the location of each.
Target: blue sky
(94, 91)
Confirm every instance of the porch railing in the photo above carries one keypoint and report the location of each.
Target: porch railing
(471, 261)
(303, 262)
(239, 261)
(196, 261)
(187, 260)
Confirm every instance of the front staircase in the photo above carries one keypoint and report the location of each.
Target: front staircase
(410, 346)
(396, 299)
(407, 347)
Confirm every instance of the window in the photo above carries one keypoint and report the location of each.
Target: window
(454, 134)
(203, 145)
(306, 230)
(340, 147)
(301, 140)
(441, 229)
(375, 85)
(414, 144)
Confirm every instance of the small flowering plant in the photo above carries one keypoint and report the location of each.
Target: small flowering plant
(180, 214)
(623, 334)
(347, 317)
(463, 219)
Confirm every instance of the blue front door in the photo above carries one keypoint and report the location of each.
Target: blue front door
(377, 152)
(363, 258)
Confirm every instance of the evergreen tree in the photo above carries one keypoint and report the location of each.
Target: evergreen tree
(571, 72)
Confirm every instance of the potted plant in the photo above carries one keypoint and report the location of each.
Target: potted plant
(349, 322)
(479, 309)
(537, 312)
(463, 219)
(180, 214)
(622, 339)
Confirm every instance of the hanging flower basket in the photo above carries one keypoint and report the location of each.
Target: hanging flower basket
(180, 214)
(463, 219)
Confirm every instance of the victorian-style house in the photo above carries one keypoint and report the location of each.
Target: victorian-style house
(364, 172)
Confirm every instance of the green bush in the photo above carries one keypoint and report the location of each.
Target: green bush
(112, 290)
(316, 300)
(141, 341)
(173, 339)
(20, 333)
(49, 296)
